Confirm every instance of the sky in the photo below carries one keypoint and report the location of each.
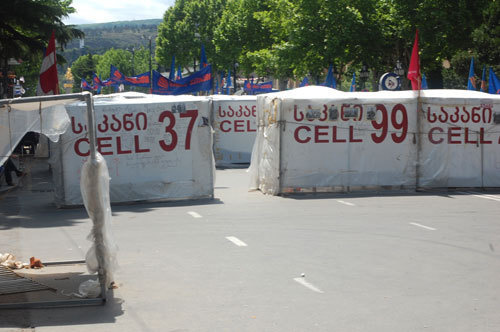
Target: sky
(101, 11)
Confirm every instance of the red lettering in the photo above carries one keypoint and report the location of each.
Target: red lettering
(351, 136)
(119, 147)
(296, 134)
(77, 147)
(249, 122)
(431, 137)
(295, 117)
(239, 124)
(467, 137)
(334, 136)
(481, 137)
(222, 126)
(101, 145)
(451, 134)
(80, 128)
(317, 134)
(137, 147)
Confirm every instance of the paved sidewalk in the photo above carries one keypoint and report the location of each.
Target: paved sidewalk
(245, 261)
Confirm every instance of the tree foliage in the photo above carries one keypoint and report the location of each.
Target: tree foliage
(84, 67)
(26, 25)
(187, 25)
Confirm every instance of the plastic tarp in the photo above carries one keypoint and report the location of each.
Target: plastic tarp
(16, 119)
(234, 123)
(320, 139)
(156, 148)
(95, 193)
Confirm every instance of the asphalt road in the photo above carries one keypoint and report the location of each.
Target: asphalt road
(250, 262)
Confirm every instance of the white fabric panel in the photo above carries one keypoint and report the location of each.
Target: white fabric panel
(321, 139)
(156, 147)
(234, 123)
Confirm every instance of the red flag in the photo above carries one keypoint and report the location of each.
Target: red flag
(49, 83)
(414, 70)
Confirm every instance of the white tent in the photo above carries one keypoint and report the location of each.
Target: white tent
(320, 139)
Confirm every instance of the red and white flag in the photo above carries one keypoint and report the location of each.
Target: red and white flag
(414, 70)
(49, 83)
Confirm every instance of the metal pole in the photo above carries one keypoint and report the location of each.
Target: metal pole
(91, 125)
(150, 68)
(76, 96)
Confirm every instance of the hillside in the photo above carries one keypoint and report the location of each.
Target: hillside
(100, 37)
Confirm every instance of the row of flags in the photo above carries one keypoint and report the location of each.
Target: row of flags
(494, 86)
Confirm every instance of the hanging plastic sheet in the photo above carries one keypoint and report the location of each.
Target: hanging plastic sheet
(44, 117)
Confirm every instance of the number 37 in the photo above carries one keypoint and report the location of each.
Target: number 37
(169, 129)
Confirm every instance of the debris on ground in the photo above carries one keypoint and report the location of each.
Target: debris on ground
(8, 260)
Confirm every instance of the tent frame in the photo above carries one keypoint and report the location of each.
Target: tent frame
(87, 98)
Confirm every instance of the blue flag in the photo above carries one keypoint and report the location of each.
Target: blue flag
(424, 85)
(97, 84)
(471, 83)
(305, 82)
(494, 86)
(203, 57)
(116, 76)
(228, 82)
(85, 85)
(171, 76)
(353, 83)
(179, 73)
(330, 79)
(483, 80)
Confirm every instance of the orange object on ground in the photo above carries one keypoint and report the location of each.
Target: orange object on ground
(35, 263)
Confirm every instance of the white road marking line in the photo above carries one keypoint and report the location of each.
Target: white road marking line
(346, 203)
(308, 285)
(423, 226)
(236, 241)
(194, 214)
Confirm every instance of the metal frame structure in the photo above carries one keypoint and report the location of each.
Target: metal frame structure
(87, 97)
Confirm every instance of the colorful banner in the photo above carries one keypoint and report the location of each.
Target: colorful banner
(199, 81)
(139, 80)
(256, 88)
(118, 78)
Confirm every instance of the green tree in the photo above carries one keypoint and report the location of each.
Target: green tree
(84, 67)
(26, 25)
(185, 26)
